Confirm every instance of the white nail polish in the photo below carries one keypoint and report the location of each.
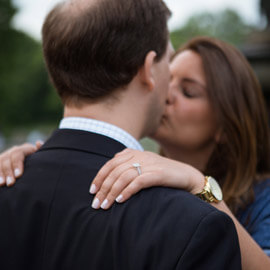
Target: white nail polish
(9, 180)
(95, 203)
(17, 172)
(93, 189)
(104, 204)
(119, 198)
(1, 180)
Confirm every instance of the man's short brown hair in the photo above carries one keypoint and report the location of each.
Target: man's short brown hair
(93, 49)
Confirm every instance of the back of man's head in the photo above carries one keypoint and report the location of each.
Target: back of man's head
(93, 47)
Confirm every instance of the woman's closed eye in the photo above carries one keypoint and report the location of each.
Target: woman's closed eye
(191, 89)
(190, 92)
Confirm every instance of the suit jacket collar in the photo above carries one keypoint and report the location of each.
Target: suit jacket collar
(83, 141)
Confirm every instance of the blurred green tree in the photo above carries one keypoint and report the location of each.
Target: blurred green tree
(226, 25)
(26, 96)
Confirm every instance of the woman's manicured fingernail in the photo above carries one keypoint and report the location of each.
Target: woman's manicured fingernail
(95, 203)
(93, 189)
(104, 204)
(1, 180)
(9, 180)
(119, 198)
(17, 172)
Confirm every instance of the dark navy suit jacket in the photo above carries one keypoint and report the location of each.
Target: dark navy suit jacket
(47, 223)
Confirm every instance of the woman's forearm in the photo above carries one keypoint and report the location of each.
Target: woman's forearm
(253, 257)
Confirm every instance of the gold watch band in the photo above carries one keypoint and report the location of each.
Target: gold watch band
(210, 193)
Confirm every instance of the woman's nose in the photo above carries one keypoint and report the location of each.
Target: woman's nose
(171, 95)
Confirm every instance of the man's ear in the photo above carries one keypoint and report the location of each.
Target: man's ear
(146, 71)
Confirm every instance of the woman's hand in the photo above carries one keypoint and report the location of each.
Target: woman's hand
(118, 179)
(11, 162)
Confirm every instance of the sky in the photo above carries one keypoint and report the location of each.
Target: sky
(32, 12)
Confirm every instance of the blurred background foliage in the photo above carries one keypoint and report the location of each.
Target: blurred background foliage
(27, 99)
(226, 25)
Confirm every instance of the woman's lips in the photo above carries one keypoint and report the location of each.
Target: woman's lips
(164, 118)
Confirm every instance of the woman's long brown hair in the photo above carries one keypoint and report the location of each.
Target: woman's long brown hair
(243, 154)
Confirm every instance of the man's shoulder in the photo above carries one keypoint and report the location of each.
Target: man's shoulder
(170, 198)
(172, 218)
(172, 206)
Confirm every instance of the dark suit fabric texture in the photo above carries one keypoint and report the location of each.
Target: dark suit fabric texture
(47, 223)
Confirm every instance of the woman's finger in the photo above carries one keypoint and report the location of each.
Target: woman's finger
(39, 144)
(26, 149)
(8, 171)
(118, 186)
(17, 161)
(125, 151)
(108, 183)
(11, 162)
(2, 177)
(116, 193)
(3, 159)
(141, 182)
(106, 170)
(17, 156)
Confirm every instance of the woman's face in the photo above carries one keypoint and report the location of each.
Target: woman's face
(189, 121)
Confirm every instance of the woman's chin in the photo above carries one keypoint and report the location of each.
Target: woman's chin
(159, 135)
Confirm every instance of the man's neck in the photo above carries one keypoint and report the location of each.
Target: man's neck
(119, 116)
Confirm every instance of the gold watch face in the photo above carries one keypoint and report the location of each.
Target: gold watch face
(215, 188)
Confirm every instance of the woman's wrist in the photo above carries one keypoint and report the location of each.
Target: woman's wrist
(196, 181)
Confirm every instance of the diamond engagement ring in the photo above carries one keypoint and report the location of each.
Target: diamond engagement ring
(137, 166)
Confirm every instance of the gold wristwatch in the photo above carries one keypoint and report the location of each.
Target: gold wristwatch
(211, 191)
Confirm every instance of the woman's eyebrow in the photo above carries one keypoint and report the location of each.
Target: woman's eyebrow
(189, 80)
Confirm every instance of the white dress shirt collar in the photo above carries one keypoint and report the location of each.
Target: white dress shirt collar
(101, 128)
